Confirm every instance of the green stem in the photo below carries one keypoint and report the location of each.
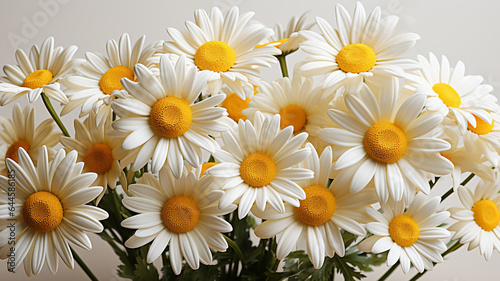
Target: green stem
(284, 69)
(105, 236)
(467, 180)
(432, 184)
(449, 192)
(452, 249)
(84, 266)
(235, 247)
(115, 204)
(53, 113)
(389, 272)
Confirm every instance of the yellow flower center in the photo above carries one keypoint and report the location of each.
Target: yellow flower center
(37, 79)
(216, 56)
(385, 142)
(280, 42)
(482, 128)
(257, 169)
(110, 80)
(171, 117)
(42, 211)
(206, 166)
(318, 207)
(447, 94)
(14, 148)
(99, 158)
(486, 214)
(234, 105)
(403, 230)
(356, 58)
(293, 115)
(180, 214)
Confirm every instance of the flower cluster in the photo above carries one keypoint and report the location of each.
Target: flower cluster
(324, 168)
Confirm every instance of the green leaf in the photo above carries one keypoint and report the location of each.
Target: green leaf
(143, 270)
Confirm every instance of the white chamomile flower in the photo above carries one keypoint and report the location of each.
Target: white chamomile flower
(235, 105)
(411, 236)
(258, 161)
(484, 138)
(478, 218)
(288, 38)
(315, 226)
(164, 120)
(452, 93)
(296, 101)
(97, 82)
(99, 150)
(50, 209)
(39, 73)
(224, 46)
(180, 213)
(21, 132)
(385, 145)
(466, 160)
(360, 48)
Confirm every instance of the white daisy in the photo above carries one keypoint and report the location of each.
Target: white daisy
(466, 160)
(225, 47)
(235, 105)
(478, 218)
(97, 82)
(288, 39)
(50, 209)
(411, 236)
(164, 120)
(38, 73)
(181, 213)
(101, 152)
(452, 93)
(315, 226)
(257, 161)
(296, 101)
(360, 48)
(484, 138)
(386, 145)
(20, 132)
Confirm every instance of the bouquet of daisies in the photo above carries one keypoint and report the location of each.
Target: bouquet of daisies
(182, 154)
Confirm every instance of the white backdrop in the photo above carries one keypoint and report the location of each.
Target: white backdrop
(460, 29)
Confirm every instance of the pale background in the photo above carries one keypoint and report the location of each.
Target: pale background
(461, 30)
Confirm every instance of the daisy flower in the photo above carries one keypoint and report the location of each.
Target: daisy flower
(21, 132)
(452, 93)
(288, 38)
(97, 82)
(180, 213)
(484, 138)
(50, 209)
(478, 218)
(257, 160)
(164, 120)
(235, 105)
(315, 226)
(224, 46)
(466, 160)
(296, 101)
(98, 150)
(410, 236)
(386, 145)
(360, 48)
(38, 73)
